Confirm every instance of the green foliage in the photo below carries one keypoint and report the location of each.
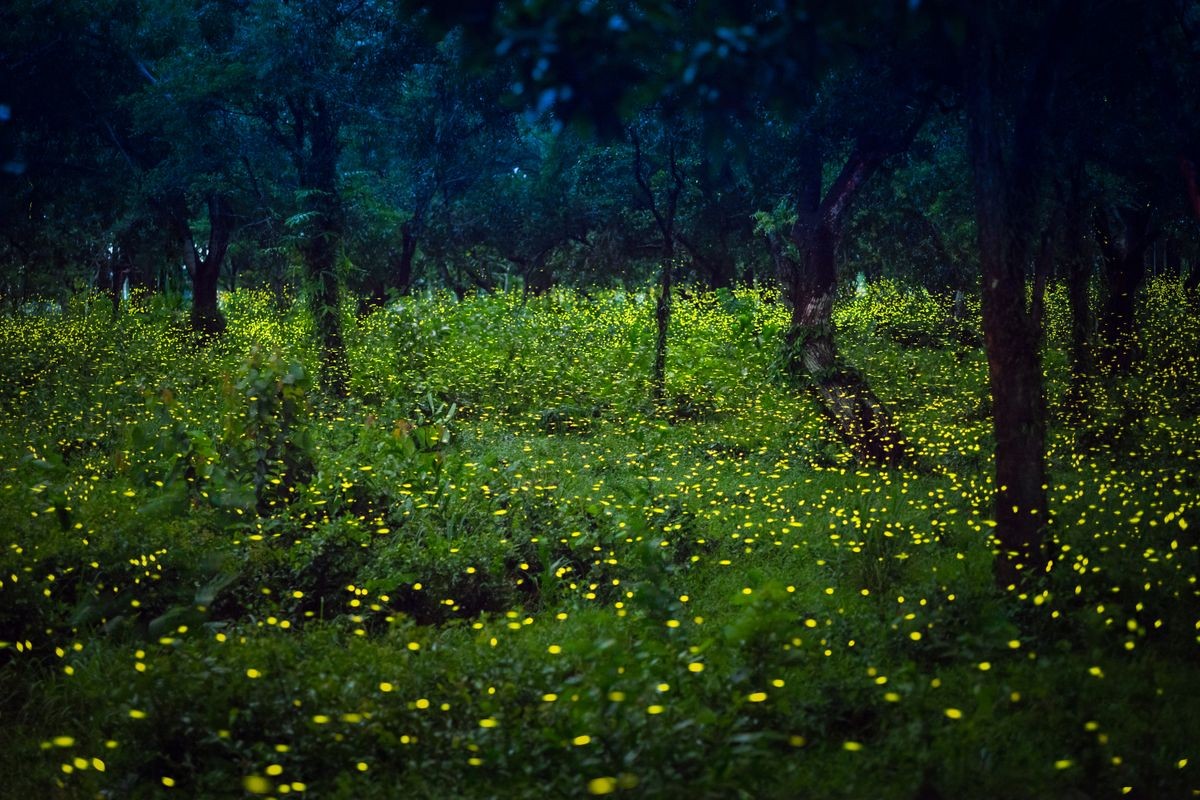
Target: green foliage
(494, 571)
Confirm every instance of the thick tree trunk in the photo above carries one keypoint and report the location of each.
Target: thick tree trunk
(1005, 210)
(1018, 405)
(205, 271)
(811, 357)
(206, 319)
(1018, 409)
(809, 284)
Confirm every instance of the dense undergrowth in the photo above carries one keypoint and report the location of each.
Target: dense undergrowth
(499, 571)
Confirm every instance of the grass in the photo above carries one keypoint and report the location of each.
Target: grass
(498, 571)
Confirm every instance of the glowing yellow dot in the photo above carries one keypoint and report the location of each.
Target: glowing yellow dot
(853, 747)
(696, 666)
(580, 741)
(488, 723)
(386, 687)
(953, 713)
(602, 785)
(757, 697)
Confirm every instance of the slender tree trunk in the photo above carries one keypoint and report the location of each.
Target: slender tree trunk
(1172, 264)
(116, 279)
(662, 321)
(1124, 236)
(1192, 282)
(1078, 276)
(664, 217)
(1043, 268)
(1187, 168)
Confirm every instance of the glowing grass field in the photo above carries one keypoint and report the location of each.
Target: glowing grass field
(497, 572)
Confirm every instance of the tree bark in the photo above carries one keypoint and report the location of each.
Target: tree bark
(664, 217)
(316, 154)
(1187, 167)
(1043, 268)
(1124, 236)
(1005, 209)
(399, 275)
(403, 272)
(204, 271)
(809, 284)
(1078, 275)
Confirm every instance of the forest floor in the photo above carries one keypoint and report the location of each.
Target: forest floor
(497, 571)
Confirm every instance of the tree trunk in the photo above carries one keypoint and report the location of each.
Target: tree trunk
(1168, 265)
(115, 274)
(809, 284)
(1043, 267)
(399, 275)
(1079, 276)
(1005, 210)
(205, 271)
(664, 218)
(811, 356)
(403, 272)
(317, 168)
(1124, 236)
(1187, 168)
(662, 321)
